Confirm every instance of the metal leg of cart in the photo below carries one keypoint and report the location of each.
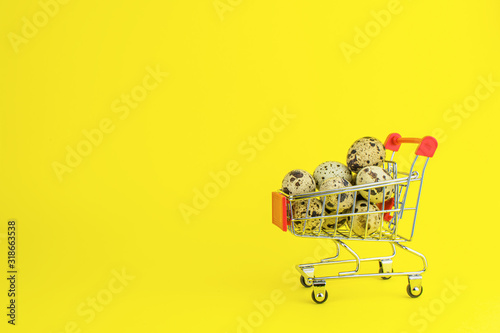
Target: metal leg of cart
(414, 287)
(320, 295)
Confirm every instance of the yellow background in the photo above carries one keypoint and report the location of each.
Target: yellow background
(227, 73)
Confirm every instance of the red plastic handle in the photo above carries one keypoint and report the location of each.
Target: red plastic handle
(427, 145)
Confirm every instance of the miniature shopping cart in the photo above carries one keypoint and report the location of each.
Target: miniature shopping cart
(337, 225)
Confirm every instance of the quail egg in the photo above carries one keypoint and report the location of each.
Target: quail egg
(329, 223)
(298, 182)
(344, 200)
(331, 169)
(300, 210)
(365, 152)
(369, 222)
(375, 174)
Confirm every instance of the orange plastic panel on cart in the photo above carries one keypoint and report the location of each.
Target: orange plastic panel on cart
(279, 211)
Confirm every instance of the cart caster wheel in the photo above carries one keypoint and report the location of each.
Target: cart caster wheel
(320, 297)
(385, 277)
(387, 264)
(414, 293)
(305, 283)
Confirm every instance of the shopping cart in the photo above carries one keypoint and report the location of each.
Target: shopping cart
(337, 225)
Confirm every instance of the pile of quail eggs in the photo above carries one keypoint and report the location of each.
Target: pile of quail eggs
(363, 166)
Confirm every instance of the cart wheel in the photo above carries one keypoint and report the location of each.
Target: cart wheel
(305, 283)
(414, 293)
(385, 277)
(320, 298)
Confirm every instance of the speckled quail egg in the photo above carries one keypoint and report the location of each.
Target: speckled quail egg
(299, 210)
(329, 223)
(365, 152)
(298, 182)
(345, 200)
(370, 222)
(375, 174)
(331, 169)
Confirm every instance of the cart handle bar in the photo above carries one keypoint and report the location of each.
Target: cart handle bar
(427, 145)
